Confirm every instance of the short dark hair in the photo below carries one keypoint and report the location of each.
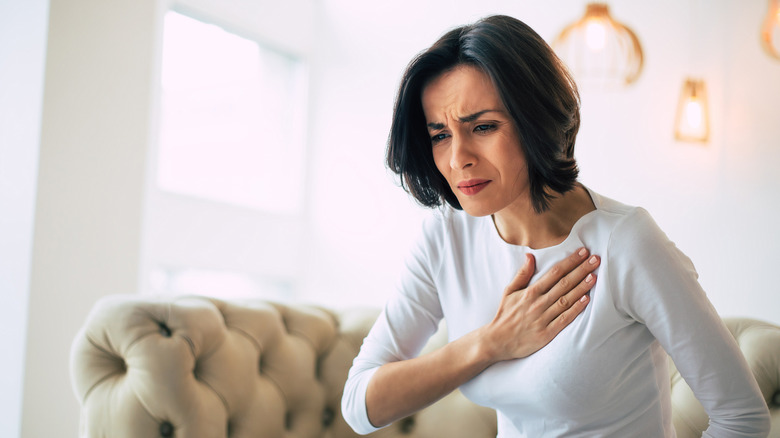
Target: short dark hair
(534, 86)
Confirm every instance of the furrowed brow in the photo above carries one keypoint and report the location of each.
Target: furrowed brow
(465, 119)
(475, 116)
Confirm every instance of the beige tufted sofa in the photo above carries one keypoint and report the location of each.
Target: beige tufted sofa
(194, 367)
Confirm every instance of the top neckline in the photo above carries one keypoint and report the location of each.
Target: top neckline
(563, 244)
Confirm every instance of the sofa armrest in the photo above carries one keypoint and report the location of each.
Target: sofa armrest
(760, 344)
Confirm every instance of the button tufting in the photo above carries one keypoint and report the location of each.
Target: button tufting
(776, 398)
(166, 429)
(288, 420)
(327, 417)
(164, 329)
(318, 369)
(407, 424)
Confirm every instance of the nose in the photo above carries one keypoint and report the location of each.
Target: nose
(462, 154)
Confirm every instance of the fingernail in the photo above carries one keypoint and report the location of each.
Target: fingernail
(584, 298)
(593, 260)
(589, 278)
(582, 252)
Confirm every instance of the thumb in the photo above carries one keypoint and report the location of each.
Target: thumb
(523, 276)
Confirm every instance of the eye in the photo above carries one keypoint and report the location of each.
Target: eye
(485, 127)
(438, 137)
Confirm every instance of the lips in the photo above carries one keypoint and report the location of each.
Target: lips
(471, 187)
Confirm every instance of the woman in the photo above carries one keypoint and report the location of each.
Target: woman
(485, 121)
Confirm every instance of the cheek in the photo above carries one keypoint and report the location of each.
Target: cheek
(514, 161)
(441, 159)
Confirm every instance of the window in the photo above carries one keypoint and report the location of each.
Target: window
(224, 212)
(232, 122)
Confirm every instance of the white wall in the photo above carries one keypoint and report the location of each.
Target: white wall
(717, 201)
(22, 53)
(95, 128)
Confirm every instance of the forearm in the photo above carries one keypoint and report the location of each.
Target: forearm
(399, 389)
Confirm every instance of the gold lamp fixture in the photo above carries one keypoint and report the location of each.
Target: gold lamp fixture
(599, 48)
(692, 121)
(770, 33)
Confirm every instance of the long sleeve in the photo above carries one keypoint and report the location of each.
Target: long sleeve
(657, 285)
(401, 331)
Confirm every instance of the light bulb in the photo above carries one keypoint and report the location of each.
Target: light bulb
(693, 114)
(596, 34)
(692, 121)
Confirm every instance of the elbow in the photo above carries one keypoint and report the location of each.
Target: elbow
(764, 422)
(353, 408)
(752, 424)
(352, 416)
(760, 420)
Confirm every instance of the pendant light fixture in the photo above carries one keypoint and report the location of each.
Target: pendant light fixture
(597, 48)
(770, 33)
(693, 120)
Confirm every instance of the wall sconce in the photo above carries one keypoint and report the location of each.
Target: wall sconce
(596, 47)
(770, 33)
(693, 119)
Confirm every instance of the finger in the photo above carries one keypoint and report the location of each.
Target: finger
(573, 278)
(567, 316)
(523, 276)
(572, 299)
(559, 271)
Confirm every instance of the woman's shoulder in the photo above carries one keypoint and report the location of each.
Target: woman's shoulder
(449, 221)
(610, 206)
(622, 215)
(444, 231)
(624, 225)
(632, 229)
(447, 230)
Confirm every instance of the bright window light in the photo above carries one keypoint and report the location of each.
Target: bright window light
(232, 119)
(216, 283)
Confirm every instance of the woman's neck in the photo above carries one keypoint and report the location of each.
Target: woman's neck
(519, 224)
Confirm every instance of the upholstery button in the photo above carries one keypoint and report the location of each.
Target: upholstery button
(776, 398)
(164, 330)
(288, 421)
(166, 429)
(407, 424)
(327, 417)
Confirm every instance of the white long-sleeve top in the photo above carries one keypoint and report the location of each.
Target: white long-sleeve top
(606, 374)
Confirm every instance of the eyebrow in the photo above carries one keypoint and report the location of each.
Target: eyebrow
(464, 119)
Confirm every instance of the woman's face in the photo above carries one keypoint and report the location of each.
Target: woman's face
(474, 141)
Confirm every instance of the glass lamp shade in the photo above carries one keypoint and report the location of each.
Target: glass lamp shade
(692, 122)
(596, 48)
(770, 32)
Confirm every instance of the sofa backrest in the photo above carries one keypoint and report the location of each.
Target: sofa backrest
(196, 367)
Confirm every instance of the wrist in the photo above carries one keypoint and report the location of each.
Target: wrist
(484, 350)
